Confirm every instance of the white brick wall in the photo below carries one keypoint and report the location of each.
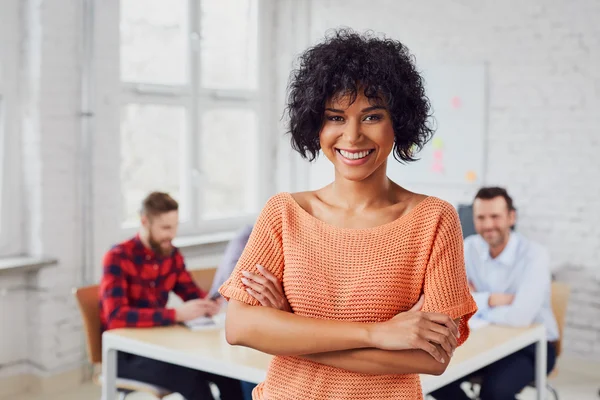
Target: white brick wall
(582, 331)
(544, 125)
(13, 350)
(50, 106)
(43, 330)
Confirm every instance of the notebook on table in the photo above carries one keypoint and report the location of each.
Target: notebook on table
(206, 323)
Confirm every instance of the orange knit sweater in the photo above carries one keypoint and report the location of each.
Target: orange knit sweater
(361, 275)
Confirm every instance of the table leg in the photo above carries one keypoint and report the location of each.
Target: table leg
(540, 368)
(109, 374)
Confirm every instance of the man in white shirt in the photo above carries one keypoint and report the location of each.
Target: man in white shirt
(510, 280)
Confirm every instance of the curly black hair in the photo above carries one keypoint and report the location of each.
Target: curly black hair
(345, 63)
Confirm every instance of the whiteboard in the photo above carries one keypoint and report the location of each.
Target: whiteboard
(456, 153)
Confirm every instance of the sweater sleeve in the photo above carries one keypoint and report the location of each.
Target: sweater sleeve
(264, 248)
(446, 288)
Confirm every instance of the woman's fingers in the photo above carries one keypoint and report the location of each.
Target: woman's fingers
(439, 333)
(439, 338)
(432, 350)
(271, 278)
(263, 300)
(260, 289)
(262, 281)
(419, 304)
(445, 320)
(444, 331)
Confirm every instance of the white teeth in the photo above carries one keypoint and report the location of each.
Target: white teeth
(354, 156)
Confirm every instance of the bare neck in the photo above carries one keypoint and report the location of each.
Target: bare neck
(376, 190)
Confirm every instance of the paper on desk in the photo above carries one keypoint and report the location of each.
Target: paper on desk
(476, 323)
(206, 323)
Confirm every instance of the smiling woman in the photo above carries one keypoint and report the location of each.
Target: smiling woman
(359, 286)
(379, 69)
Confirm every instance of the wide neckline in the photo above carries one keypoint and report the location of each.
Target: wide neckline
(385, 226)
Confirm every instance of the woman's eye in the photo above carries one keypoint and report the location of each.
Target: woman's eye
(335, 118)
(375, 117)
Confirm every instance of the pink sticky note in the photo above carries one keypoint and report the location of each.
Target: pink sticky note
(456, 102)
(437, 167)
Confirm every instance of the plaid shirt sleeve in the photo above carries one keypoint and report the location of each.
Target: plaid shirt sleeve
(185, 286)
(117, 311)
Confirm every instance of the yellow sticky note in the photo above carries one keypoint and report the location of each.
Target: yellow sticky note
(471, 176)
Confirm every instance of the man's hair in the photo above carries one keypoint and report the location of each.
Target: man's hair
(488, 193)
(157, 203)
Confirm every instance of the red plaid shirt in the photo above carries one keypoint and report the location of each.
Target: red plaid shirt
(136, 283)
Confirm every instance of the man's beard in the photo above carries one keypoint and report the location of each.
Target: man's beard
(157, 247)
(499, 239)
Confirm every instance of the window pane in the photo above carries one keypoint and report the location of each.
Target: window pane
(3, 167)
(152, 138)
(229, 34)
(154, 41)
(229, 162)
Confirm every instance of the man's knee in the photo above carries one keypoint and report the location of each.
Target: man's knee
(451, 391)
(498, 389)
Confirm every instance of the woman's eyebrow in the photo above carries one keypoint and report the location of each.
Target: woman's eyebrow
(364, 110)
(372, 108)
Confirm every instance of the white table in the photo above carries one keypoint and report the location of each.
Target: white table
(202, 350)
(209, 351)
(487, 345)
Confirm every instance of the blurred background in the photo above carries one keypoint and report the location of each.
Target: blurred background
(102, 102)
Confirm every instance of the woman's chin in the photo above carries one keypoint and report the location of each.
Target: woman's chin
(354, 174)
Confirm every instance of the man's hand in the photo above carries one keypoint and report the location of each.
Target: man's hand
(500, 299)
(196, 308)
(266, 288)
(472, 287)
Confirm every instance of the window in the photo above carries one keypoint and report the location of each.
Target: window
(3, 169)
(10, 211)
(190, 122)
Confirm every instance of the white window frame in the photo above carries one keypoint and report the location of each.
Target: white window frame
(193, 100)
(10, 172)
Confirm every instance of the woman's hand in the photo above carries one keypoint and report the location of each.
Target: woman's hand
(414, 329)
(266, 288)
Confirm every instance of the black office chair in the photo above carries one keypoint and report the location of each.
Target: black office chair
(465, 214)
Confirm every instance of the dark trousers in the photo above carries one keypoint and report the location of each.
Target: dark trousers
(502, 380)
(190, 383)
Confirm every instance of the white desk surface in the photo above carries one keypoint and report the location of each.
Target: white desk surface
(483, 347)
(209, 351)
(205, 350)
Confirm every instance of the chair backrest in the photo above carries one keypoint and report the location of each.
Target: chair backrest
(89, 306)
(465, 214)
(203, 277)
(560, 300)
